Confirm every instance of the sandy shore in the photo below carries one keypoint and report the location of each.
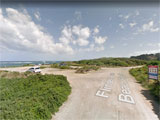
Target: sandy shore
(106, 94)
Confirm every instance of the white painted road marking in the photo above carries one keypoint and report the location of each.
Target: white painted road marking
(106, 88)
(125, 96)
(101, 94)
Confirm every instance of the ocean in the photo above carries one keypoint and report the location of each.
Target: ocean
(21, 63)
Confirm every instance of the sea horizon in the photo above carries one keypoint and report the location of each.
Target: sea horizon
(22, 63)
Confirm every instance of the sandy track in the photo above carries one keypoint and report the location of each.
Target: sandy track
(84, 104)
(18, 69)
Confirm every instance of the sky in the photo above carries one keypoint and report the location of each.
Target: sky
(74, 32)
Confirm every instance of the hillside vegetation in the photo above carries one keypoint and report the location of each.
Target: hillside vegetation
(84, 66)
(141, 75)
(147, 56)
(111, 62)
(31, 97)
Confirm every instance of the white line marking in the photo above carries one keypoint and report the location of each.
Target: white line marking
(126, 98)
(101, 94)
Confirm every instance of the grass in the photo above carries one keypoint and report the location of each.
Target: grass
(31, 97)
(44, 66)
(141, 75)
(86, 69)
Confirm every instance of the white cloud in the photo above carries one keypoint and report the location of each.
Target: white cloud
(148, 27)
(100, 40)
(153, 45)
(96, 30)
(76, 35)
(19, 32)
(155, 29)
(92, 47)
(82, 32)
(82, 42)
(79, 35)
(101, 48)
(132, 24)
(37, 15)
(88, 49)
(66, 36)
(129, 15)
(121, 26)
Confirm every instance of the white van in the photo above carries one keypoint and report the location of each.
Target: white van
(35, 70)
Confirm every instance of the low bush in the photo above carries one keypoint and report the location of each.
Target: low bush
(54, 65)
(111, 62)
(32, 98)
(25, 65)
(7, 74)
(85, 69)
(60, 66)
(43, 67)
(141, 75)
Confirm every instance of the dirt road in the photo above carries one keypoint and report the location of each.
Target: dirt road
(106, 94)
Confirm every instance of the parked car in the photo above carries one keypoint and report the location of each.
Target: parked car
(35, 70)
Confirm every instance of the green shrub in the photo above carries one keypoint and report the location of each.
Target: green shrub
(153, 63)
(32, 98)
(65, 67)
(85, 69)
(42, 67)
(7, 74)
(54, 65)
(28, 65)
(60, 66)
(141, 75)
